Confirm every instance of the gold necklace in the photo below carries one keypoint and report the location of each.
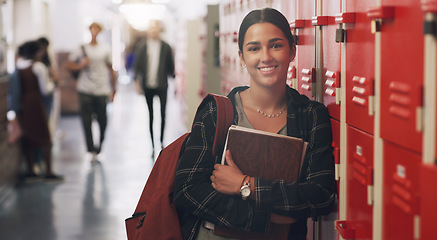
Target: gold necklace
(271, 115)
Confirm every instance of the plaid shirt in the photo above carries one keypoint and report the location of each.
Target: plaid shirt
(196, 200)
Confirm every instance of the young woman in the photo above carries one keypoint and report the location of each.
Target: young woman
(207, 194)
(34, 84)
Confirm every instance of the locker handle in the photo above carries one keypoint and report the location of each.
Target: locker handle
(319, 20)
(298, 23)
(429, 6)
(345, 228)
(382, 12)
(348, 17)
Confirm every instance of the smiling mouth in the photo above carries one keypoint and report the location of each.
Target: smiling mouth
(267, 69)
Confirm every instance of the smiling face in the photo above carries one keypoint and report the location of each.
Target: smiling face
(266, 53)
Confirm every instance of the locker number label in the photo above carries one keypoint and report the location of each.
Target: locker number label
(359, 150)
(400, 170)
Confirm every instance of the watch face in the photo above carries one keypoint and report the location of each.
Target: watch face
(245, 191)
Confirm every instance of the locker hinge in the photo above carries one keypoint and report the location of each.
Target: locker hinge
(340, 35)
(429, 28)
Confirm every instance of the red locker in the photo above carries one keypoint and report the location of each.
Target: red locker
(360, 62)
(331, 57)
(306, 74)
(359, 186)
(428, 196)
(401, 71)
(401, 192)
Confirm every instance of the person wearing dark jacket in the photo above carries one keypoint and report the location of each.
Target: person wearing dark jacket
(208, 194)
(153, 65)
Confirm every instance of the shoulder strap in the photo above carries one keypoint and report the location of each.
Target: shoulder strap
(225, 117)
(83, 50)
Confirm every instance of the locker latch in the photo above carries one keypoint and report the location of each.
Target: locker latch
(298, 23)
(340, 35)
(429, 27)
(341, 18)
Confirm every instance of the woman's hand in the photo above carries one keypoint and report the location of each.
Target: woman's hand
(227, 179)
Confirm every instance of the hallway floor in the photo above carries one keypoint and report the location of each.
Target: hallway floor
(96, 197)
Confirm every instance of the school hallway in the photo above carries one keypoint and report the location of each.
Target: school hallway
(96, 197)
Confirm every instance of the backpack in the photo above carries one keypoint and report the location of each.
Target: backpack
(155, 216)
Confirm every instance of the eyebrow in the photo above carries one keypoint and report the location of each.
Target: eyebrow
(270, 41)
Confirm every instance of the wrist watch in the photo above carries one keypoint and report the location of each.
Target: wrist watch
(245, 189)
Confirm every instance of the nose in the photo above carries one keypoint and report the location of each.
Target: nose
(266, 55)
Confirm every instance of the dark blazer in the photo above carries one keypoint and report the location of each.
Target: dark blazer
(165, 67)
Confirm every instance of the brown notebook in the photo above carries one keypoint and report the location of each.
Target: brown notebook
(266, 155)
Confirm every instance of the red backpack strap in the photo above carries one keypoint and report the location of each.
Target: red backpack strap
(225, 117)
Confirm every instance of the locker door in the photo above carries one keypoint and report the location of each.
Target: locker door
(401, 192)
(306, 74)
(428, 208)
(360, 182)
(401, 72)
(331, 58)
(360, 62)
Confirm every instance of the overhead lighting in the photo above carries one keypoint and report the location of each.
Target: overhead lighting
(161, 1)
(138, 15)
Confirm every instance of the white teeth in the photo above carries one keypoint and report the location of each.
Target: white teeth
(266, 69)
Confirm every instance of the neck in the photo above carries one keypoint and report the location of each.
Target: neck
(269, 100)
(93, 41)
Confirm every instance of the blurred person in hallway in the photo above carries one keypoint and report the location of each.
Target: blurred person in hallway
(34, 83)
(96, 83)
(53, 76)
(154, 64)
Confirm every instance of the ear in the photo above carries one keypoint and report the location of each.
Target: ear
(242, 62)
(293, 53)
